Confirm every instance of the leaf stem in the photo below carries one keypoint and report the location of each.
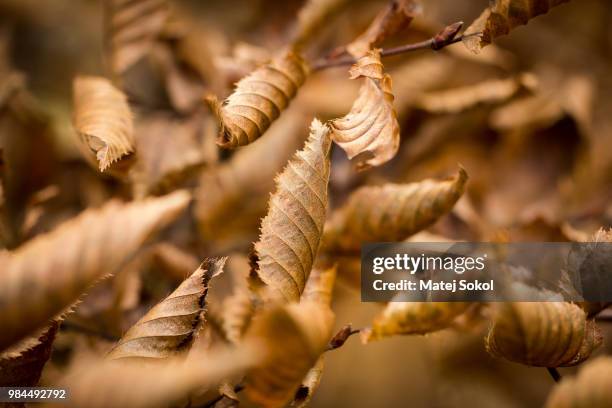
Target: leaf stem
(447, 36)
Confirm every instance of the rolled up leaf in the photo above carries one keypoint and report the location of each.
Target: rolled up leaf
(170, 326)
(544, 334)
(258, 100)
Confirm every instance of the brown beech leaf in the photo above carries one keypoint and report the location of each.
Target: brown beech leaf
(98, 383)
(545, 334)
(49, 273)
(486, 92)
(589, 389)
(312, 17)
(294, 336)
(170, 326)
(413, 318)
(22, 363)
(310, 383)
(320, 285)
(258, 100)
(238, 310)
(501, 17)
(370, 132)
(291, 232)
(391, 212)
(103, 120)
(392, 19)
(232, 197)
(131, 29)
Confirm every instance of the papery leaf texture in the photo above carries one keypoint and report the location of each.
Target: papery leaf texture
(370, 132)
(292, 230)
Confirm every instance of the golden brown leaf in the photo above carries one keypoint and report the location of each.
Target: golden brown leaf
(486, 92)
(258, 100)
(97, 383)
(589, 389)
(320, 286)
(294, 337)
(395, 17)
(22, 363)
(291, 232)
(170, 326)
(49, 273)
(370, 131)
(238, 310)
(103, 120)
(391, 212)
(131, 28)
(501, 17)
(413, 318)
(309, 384)
(546, 334)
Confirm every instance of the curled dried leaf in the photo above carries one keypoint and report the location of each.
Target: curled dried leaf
(258, 100)
(590, 388)
(395, 17)
(49, 273)
(292, 230)
(131, 29)
(370, 132)
(490, 91)
(103, 120)
(109, 384)
(501, 17)
(310, 383)
(170, 326)
(391, 212)
(294, 338)
(22, 363)
(413, 318)
(546, 334)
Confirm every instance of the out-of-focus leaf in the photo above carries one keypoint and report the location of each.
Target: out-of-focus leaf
(292, 230)
(589, 389)
(49, 273)
(370, 132)
(486, 92)
(501, 17)
(391, 212)
(413, 318)
(22, 363)
(294, 336)
(320, 285)
(238, 310)
(258, 100)
(546, 334)
(99, 383)
(131, 28)
(170, 326)
(103, 121)
(392, 19)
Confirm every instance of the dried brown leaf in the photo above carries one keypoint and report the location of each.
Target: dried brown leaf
(22, 363)
(320, 285)
(238, 310)
(170, 326)
(370, 132)
(131, 29)
(48, 274)
(103, 120)
(391, 212)
(310, 383)
(294, 338)
(413, 318)
(291, 232)
(99, 383)
(589, 389)
(546, 334)
(258, 100)
(486, 92)
(392, 19)
(501, 17)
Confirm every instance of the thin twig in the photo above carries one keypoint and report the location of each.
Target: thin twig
(444, 38)
(554, 373)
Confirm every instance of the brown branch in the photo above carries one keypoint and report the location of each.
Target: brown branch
(447, 36)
